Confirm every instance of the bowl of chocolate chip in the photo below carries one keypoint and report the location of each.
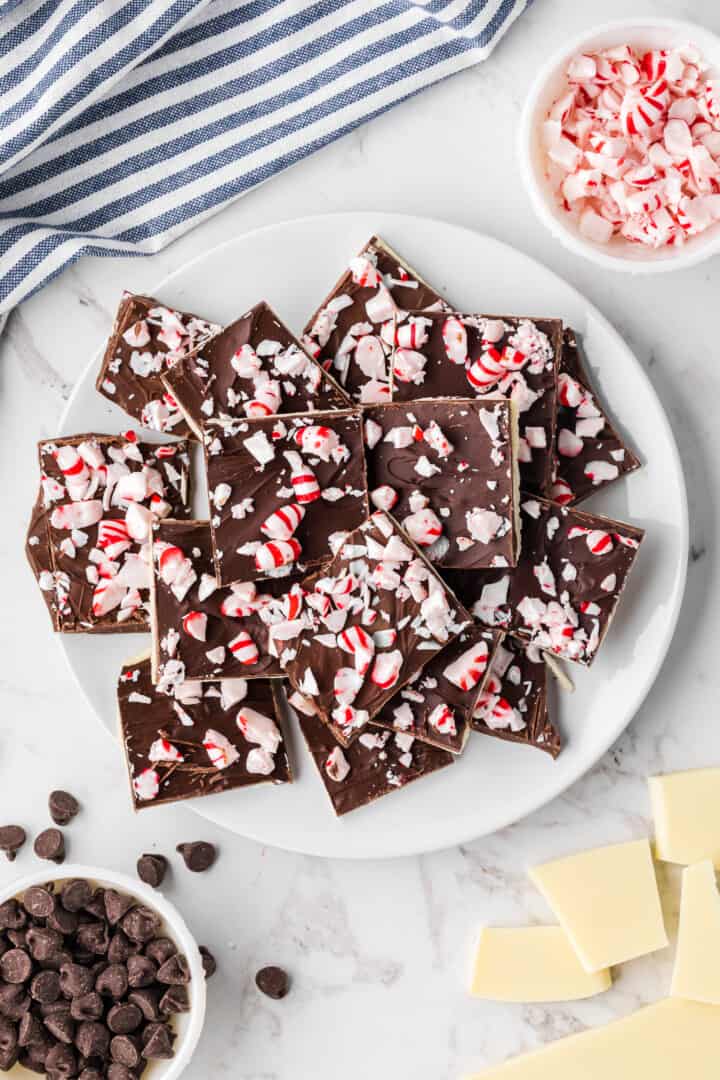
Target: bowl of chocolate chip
(99, 978)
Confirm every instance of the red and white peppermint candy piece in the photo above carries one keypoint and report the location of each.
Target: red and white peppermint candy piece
(146, 785)
(336, 765)
(302, 478)
(113, 537)
(601, 472)
(219, 749)
(409, 366)
(282, 523)
(259, 729)
(364, 272)
(599, 542)
(384, 497)
(163, 750)
(246, 362)
(380, 307)
(642, 109)
(195, 625)
(347, 684)
(267, 399)
(570, 392)
(171, 562)
(455, 340)
(561, 492)
(627, 541)
(424, 527)
(318, 440)
(486, 369)
(373, 433)
(484, 525)
(469, 668)
(386, 669)
(568, 443)
(138, 521)
(360, 645)
(434, 437)
(74, 469)
(512, 358)
(77, 515)
(277, 553)
(369, 356)
(442, 720)
(244, 648)
(107, 595)
(412, 334)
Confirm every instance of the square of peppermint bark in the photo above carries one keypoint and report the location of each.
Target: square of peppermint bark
(447, 469)
(254, 367)
(197, 738)
(37, 553)
(563, 593)
(102, 494)
(589, 451)
(280, 489)
(147, 339)
(451, 355)
(353, 331)
(202, 631)
(437, 705)
(513, 704)
(369, 623)
(377, 763)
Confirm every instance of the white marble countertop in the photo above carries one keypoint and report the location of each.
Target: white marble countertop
(379, 952)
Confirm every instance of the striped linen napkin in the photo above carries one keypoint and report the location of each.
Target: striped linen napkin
(124, 123)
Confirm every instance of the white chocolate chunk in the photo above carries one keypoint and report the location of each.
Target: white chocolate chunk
(696, 975)
(531, 963)
(686, 809)
(665, 1041)
(607, 902)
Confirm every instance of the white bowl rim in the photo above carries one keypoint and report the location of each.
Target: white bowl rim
(569, 238)
(177, 928)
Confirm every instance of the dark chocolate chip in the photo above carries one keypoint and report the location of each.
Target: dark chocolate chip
(12, 916)
(175, 971)
(8, 1036)
(45, 987)
(175, 1000)
(30, 1030)
(61, 1062)
(160, 949)
(54, 961)
(65, 922)
(157, 1042)
(12, 838)
(273, 981)
(18, 938)
(62, 806)
(92, 1039)
(116, 1071)
(33, 1057)
(208, 962)
(14, 1001)
(50, 844)
(96, 905)
(91, 1073)
(198, 856)
(76, 980)
(94, 938)
(125, 1050)
(113, 981)
(87, 1006)
(8, 1057)
(75, 895)
(120, 948)
(151, 869)
(116, 905)
(124, 1018)
(147, 1002)
(61, 1025)
(141, 924)
(15, 966)
(38, 902)
(141, 971)
(44, 943)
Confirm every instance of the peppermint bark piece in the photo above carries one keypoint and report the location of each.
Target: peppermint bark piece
(454, 355)
(202, 631)
(353, 331)
(102, 495)
(255, 367)
(369, 623)
(146, 340)
(198, 738)
(590, 453)
(37, 553)
(437, 705)
(280, 488)
(564, 592)
(448, 471)
(377, 763)
(513, 704)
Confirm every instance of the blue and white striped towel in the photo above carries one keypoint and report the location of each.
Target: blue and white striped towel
(124, 123)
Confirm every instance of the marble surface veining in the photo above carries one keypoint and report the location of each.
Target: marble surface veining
(379, 951)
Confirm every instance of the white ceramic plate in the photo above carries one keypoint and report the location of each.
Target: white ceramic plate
(293, 265)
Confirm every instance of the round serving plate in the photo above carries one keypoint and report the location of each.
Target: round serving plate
(293, 265)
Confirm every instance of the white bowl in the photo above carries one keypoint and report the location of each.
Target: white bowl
(619, 254)
(187, 1026)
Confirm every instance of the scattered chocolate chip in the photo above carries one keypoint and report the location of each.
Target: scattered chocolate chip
(12, 916)
(175, 1000)
(50, 844)
(14, 1001)
(116, 905)
(43, 943)
(76, 980)
(96, 905)
(38, 902)
(160, 950)
(273, 981)
(141, 971)
(147, 1002)
(45, 987)
(12, 838)
(116, 1071)
(124, 1018)
(175, 971)
(141, 924)
(113, 981)
(65, 922)
(151, 869)
(94, 938)
(119, 948)
(157, 1042)
(63, 807)
(198, 856)
(8, 1057)
(125, 1050)
(61, 1062)
(30, 1030)
(92, 1039)
(91, 1073)
(15, 966)
(61, 1025)
(87, 1006)
(75, 895)
(18, 938)
(208, 962)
